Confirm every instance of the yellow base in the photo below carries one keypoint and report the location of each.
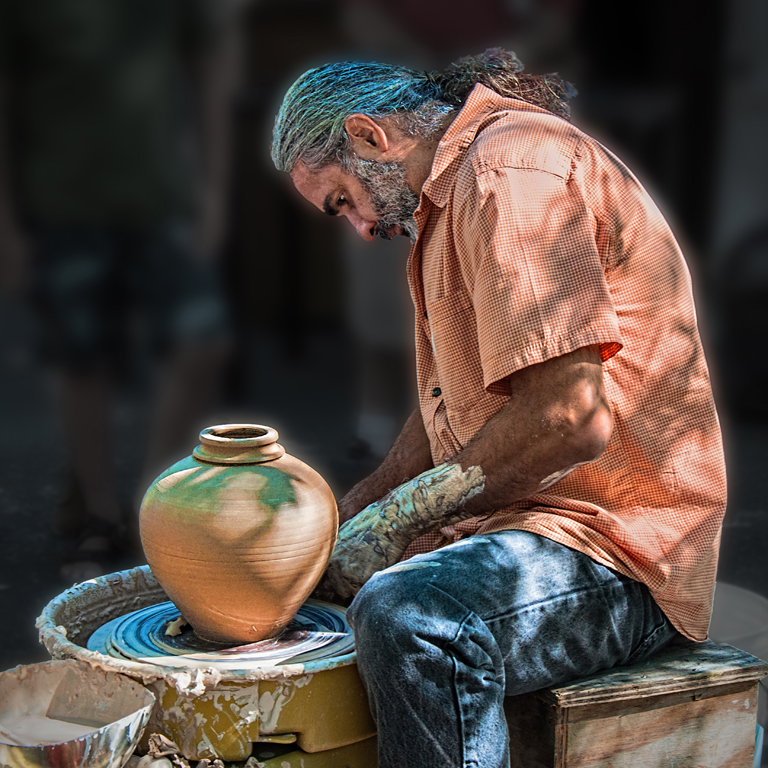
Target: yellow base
(325, 710)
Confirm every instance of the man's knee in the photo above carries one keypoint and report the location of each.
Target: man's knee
(380, 606)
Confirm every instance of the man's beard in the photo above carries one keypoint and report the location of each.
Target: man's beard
(393, 200)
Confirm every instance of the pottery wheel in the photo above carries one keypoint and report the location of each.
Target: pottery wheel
(318, 631)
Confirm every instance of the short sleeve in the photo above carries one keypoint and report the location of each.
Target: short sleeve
(526, 243)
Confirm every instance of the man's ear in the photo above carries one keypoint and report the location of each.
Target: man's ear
(368, 139)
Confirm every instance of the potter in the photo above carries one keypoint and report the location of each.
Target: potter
(554, 505)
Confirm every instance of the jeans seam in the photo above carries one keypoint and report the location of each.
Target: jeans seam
(466, 761)
(551, 600)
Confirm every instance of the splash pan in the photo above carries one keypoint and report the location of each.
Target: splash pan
(66, 714)
(156, 635)
(214, 701)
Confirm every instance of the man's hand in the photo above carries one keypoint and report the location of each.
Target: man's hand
(377, 537)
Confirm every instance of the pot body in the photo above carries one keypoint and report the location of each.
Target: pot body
(239, 533)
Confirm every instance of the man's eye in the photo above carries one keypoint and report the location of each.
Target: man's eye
(341, 200)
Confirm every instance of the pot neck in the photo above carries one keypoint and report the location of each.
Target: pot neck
(238, 444)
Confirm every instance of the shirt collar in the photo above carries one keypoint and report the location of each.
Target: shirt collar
(481, 104)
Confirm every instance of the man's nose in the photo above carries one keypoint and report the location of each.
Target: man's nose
(365, 228)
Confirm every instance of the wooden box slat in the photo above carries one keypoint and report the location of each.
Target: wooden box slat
(694, 705)
(680, 666)
(712, 733)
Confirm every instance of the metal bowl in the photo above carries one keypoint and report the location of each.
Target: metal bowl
(68, 714)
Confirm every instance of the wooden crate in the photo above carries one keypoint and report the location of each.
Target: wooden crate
(694, 705)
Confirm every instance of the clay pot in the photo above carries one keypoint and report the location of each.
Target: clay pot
(239, 533)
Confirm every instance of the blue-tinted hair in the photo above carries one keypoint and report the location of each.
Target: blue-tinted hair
(310, 124)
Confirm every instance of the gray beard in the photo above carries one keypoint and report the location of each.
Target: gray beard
(393, 200)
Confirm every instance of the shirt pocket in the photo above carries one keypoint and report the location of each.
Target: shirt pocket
(453, 331)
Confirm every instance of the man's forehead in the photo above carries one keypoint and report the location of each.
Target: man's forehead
(315, 185)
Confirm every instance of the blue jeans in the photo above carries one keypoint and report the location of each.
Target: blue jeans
(442, 638)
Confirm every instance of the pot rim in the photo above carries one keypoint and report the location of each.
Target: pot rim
(238, 443)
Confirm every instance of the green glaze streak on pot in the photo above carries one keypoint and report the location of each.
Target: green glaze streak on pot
(276, 489)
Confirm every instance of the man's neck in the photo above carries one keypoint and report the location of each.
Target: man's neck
(416, 153)
(426, 157)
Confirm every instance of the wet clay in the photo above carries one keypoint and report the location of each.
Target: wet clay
(210, 712)
(71, 617)
(377, 537)
(66, 713)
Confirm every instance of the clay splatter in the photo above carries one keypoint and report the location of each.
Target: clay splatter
(377, 537)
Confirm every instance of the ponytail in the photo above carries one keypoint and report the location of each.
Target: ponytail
(502, 71)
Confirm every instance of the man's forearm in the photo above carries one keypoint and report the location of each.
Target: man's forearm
(556, 420)
(377, 537)
(409, 456)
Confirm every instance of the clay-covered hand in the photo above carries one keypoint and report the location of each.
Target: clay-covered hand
(377, 537)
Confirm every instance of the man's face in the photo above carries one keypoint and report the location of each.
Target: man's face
(373, 196)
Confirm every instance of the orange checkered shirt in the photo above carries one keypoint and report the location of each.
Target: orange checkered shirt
(535, 241)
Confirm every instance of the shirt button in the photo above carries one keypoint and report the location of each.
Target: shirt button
(436, 392)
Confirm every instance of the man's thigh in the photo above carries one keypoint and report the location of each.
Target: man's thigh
(554, 613)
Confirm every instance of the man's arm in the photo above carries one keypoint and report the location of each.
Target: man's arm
(409, 456)
(557, 418)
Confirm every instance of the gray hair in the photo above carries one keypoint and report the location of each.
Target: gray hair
(310, 124)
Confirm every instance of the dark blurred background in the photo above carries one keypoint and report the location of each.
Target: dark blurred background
(159, 276)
